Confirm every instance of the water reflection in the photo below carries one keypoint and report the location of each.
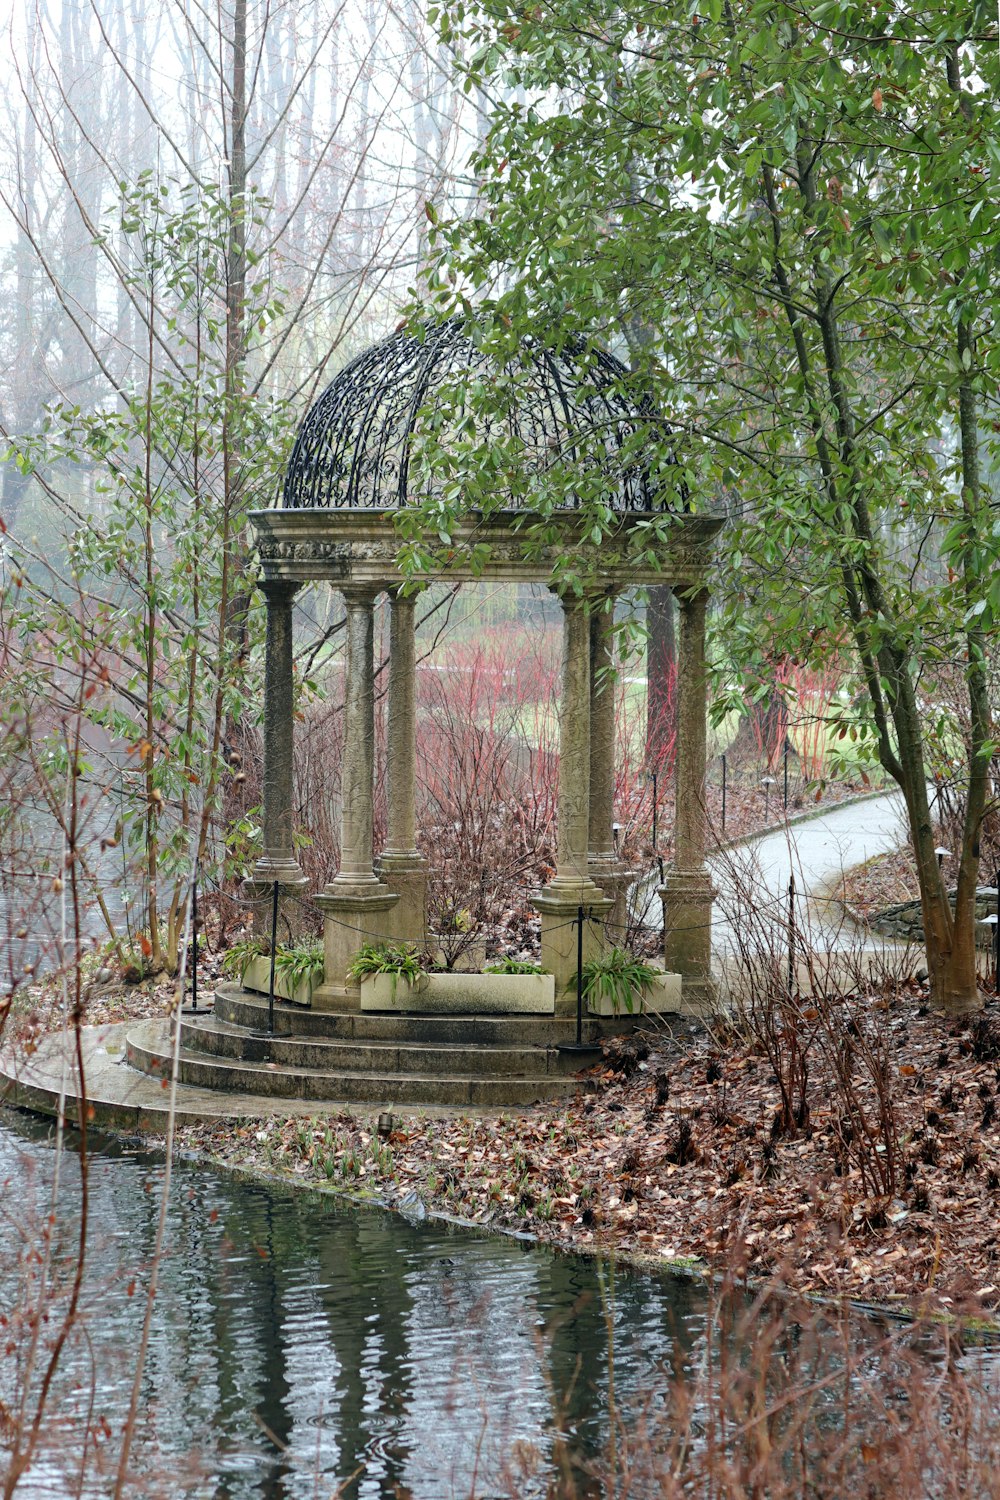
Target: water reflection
(298, 1346)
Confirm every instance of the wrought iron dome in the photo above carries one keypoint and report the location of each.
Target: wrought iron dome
(354, 447)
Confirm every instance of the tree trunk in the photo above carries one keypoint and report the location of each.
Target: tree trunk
(236, 547)
(887, 664)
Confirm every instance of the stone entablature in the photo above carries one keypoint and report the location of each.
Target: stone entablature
(362, 547)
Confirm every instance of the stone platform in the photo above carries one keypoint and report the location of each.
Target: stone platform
(315, 1060)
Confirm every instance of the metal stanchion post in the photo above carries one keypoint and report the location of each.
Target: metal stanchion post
(579, 976)
(579, 1046)
(786, 773)
(655, 801)
(723, 793)
(274, 948)
(269, 1031)
(192, 1009)
(791, 937)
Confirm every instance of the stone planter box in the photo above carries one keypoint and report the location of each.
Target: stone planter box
(258, 978)
(461, 994)
(661, 998)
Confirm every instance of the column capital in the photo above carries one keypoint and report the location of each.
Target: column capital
(593, 594)
(363, 594)
(279, 589)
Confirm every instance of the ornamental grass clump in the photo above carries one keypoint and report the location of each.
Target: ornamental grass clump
(401, 960)
(239, 956)
(294, 963)
(301, 963)
(618, 977)
(510, 965)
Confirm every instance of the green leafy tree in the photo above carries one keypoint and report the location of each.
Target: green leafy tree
(798, 207)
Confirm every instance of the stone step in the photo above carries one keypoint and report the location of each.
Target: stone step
(149, 1050)
(243, 1008)
(216, 1038)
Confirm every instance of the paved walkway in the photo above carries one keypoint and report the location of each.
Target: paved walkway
(816, 852)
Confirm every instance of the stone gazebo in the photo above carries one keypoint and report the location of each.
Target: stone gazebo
(348, 478)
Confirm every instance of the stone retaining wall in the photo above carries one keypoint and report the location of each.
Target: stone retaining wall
(904, 920)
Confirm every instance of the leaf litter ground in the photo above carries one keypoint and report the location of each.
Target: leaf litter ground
(672, 1157)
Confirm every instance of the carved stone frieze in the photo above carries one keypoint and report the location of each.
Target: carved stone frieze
(270, 550)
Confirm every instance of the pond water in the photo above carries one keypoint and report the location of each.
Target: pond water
(298, 1342)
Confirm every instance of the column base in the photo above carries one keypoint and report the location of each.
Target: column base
(700, 999)
(559, 907)
(687, 938)
(283, 868)
(406, 875)
(354, 914)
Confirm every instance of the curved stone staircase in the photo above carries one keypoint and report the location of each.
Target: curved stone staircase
(478, 1061)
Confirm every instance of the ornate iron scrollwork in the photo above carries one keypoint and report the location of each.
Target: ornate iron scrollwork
(354, 448)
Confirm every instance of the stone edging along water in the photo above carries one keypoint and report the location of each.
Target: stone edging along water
(689, 1268)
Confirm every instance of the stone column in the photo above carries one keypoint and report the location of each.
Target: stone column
(687, 890)
(356, 902)
(277, 861)
(603, 863)
(572, 886)
(358, 764)
(602, 741)
(400, 865)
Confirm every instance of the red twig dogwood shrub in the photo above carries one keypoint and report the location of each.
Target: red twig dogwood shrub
(487, 788)
(811, 693)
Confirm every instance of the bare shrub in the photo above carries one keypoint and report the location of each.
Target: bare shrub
(812, 993)
(487, 795)
(778, 1398)
(770, 1008)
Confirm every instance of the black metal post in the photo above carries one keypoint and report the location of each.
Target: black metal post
(194, 943)
(274, 946)
(579, 1048)
(579, 976)
(723, 793)
(655, 800)
(786, 773)
(791, 937)
(193, 1009)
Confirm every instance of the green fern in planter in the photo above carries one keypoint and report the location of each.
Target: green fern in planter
(619, 977)
(238, 958)
(512, 966)
(301, 964)
(401, 960)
